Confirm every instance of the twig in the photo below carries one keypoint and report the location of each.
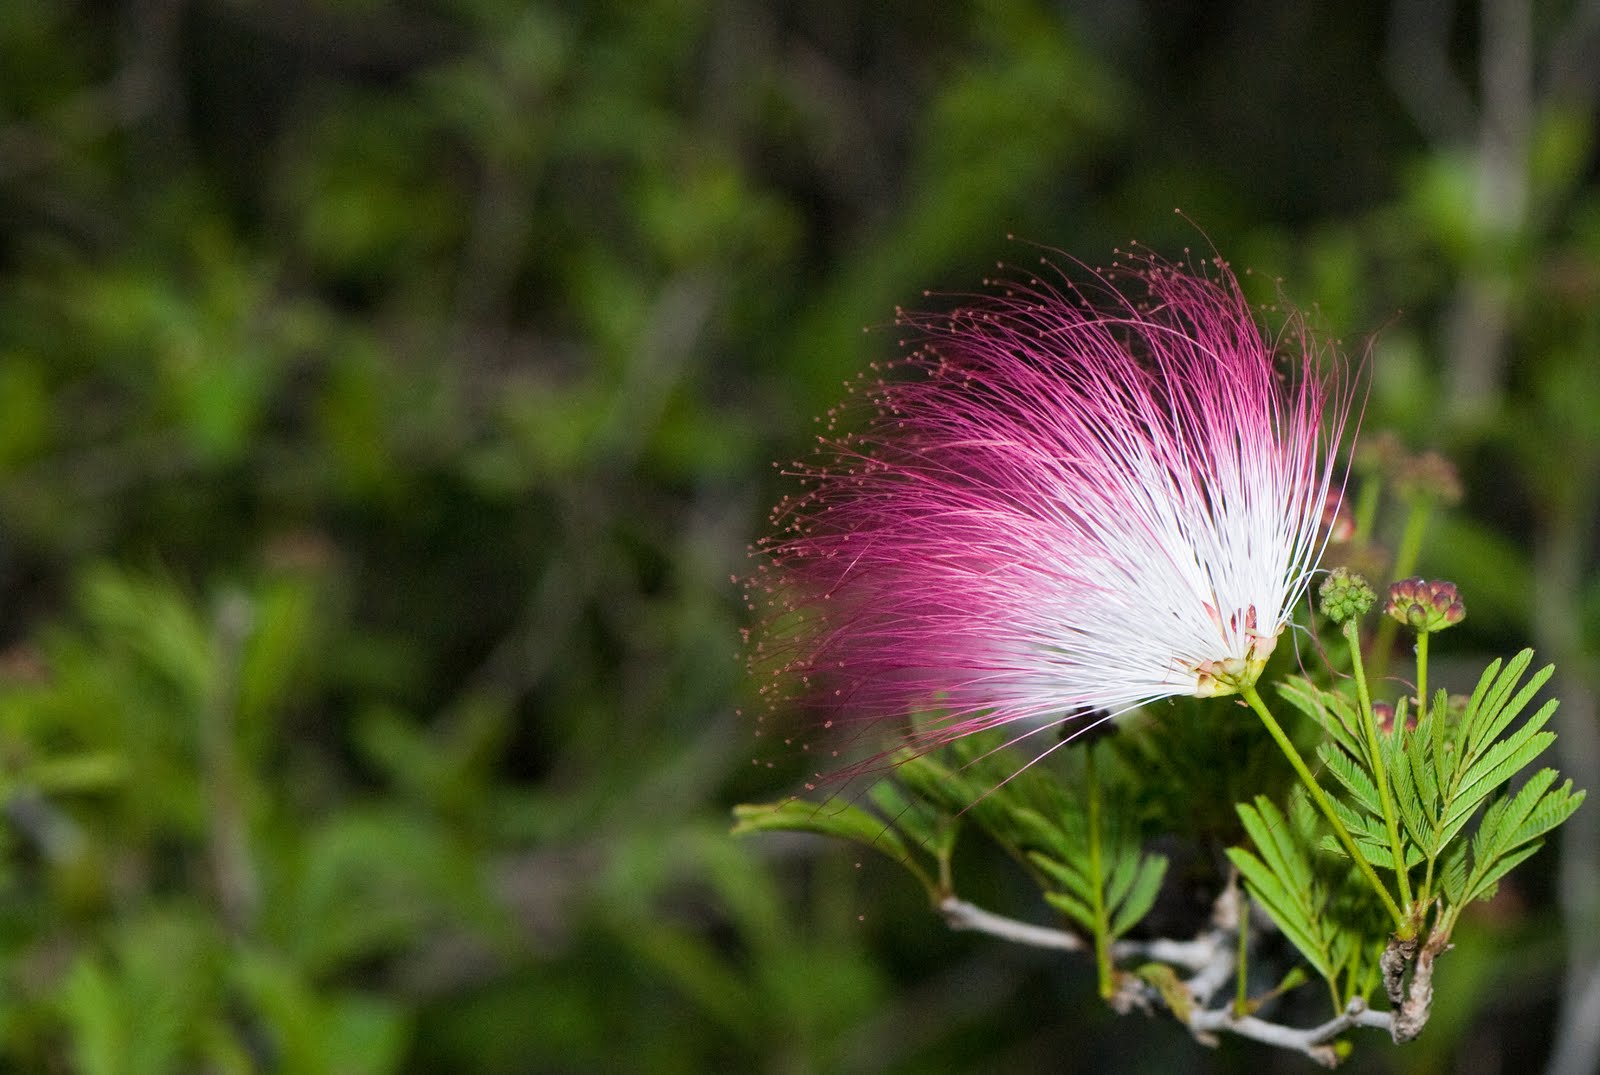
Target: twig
(1205, 982)
(1311, 1041)
(1190, 955)
(1212, 958)
(959, 914)
(1194, 955)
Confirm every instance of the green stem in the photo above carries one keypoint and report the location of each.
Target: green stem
(1425, 895)
(1102, 928)
(1405, 560)
(1241, 996)
(1422, 674)
(1369, 725)
(1253, 699)
(1352, 634)
(1367, 510)
(1405, 563)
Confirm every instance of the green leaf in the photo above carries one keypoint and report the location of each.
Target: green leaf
(1353, 776)
(1511, 829)
(1269, 830)
(915, 821)
(1510, 816)
(1282, 881)
(1553, 811)
(1332, 712)
(1433, 728)
(842, 821)
(1475, 704)
(1500, 763)
(89, 771)
(1419, 751)
(1484, 884)
(1120, 874)
(1360, 824)
(1495, 720)
(90, 1004)
(1288, 911)
(1453, 875)
(1141, 895)
(939, 786)
(1026, 830)
(1264, 884)
(1464, 766)
(1073, 908)
(1409, 798)
(1377, 854)
(1491, 677)
(1068, 876)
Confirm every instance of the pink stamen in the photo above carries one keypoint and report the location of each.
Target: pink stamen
(1071, 498)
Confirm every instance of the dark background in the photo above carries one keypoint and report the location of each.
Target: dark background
(388, 391)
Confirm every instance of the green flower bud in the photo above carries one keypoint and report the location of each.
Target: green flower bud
(1345, 596)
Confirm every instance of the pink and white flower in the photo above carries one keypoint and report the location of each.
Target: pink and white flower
(1069, 498)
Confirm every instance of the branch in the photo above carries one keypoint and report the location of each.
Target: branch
(1194, 955)
(1209, 955)
(1311, 1041)
(1215, 974)
(961, 915)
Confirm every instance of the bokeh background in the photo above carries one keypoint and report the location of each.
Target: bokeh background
(390, 388)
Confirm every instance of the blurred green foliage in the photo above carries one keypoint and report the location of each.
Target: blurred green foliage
(388, 390)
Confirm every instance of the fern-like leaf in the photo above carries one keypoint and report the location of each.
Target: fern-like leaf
(1353, 775)
(1282, 881)
(831, 819)
(1141, 895)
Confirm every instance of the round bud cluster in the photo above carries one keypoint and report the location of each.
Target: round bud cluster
(1380, 453)
(1428, 475)
(1425, 606)
(1345, 595)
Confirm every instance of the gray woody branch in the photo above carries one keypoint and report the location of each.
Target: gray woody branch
(1210, 956)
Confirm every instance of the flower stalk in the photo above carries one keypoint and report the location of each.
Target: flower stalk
(1426, 607)
(1422, 673)
(1252, 698)
(1380, 775)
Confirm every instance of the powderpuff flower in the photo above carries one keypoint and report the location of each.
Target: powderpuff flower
(1069, 499)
